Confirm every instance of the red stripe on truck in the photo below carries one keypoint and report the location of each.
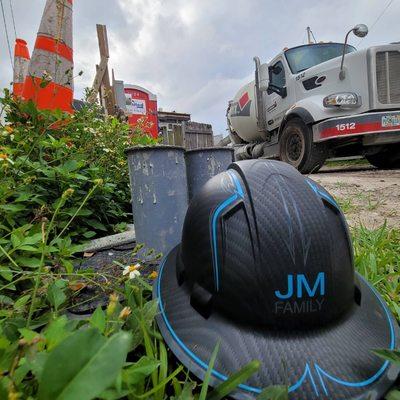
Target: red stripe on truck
(359, 128)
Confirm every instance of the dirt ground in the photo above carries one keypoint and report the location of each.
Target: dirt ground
(367, 195)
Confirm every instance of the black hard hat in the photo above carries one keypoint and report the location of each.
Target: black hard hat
(266, 267)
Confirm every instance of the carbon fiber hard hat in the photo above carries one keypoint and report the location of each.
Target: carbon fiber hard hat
(266, 267)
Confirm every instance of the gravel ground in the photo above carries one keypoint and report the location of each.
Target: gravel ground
(367, 195)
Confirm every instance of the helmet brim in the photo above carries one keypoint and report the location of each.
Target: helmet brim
(333, 362)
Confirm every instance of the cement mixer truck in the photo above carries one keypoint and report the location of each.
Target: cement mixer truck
(319, 101)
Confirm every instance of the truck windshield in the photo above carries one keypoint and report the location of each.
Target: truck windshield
(304, 57)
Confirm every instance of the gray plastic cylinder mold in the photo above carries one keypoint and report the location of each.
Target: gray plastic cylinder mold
(202, 164)
(159, 195)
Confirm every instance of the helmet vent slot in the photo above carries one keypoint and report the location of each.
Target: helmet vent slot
(201, 300)
(180, 270)
(357, 295)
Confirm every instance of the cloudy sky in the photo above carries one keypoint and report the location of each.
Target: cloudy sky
(195, 54)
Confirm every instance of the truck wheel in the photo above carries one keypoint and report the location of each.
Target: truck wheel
(388, 158)
(298, 149)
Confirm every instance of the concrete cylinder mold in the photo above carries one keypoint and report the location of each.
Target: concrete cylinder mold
(159, 195)
(203, 164)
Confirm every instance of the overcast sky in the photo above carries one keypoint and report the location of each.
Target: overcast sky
(195, 54)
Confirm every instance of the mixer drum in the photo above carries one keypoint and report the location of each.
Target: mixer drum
(242, 114)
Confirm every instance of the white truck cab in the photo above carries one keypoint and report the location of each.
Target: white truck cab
(321, 100)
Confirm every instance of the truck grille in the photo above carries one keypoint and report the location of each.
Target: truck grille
(388, 76)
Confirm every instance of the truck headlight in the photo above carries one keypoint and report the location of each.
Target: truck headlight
(343, 100)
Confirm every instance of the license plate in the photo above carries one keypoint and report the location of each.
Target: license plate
(390, 120)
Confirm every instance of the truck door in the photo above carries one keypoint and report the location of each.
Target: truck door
(276, 105)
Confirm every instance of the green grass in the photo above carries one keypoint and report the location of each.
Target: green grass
(347, 205)
(358, 201)
(348, 163)
(377, 258)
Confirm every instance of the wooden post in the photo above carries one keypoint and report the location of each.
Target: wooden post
(98, 79)
(109, 101)
(101, 82)
(177, 135)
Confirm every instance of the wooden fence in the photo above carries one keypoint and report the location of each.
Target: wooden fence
(191, 135)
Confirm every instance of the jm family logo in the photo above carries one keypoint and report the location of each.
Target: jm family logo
(301, 296)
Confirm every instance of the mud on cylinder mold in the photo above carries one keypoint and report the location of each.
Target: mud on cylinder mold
(159, 195)
(203, 164)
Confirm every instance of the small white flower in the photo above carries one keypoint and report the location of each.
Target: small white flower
(132, 270)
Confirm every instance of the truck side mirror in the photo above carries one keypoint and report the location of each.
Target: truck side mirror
(360, 30)
(264, 77)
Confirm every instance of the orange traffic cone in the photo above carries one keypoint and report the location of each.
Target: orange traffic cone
(21, 63)
(49, 82)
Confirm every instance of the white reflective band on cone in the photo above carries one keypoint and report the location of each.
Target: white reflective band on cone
(51, 67)
(21, 66)
(57, 21)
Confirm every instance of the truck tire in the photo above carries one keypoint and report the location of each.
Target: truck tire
(296, 147)
(388, 158)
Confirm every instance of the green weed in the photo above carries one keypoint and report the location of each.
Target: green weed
(377, 258)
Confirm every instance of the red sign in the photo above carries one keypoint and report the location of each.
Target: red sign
(141, 107)
(244, 100)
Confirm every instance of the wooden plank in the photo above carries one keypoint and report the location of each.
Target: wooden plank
(178, 137)
(197, 135)
(181, 141)
(184, 141)
(210, 141)
(109, 101)
(108, 94)
(171, 138)
(100, 70)
(191, 126)
(190, 141)
(103, 40)
(187, 141)
(164, 135)
(101, 90)
(102, 79)
(204, 143)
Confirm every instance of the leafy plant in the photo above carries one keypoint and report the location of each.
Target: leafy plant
(393, 395)
(44, 153)
(377, 259)
(276, 392)
(83, 365)
(390, 355)
(230, 385)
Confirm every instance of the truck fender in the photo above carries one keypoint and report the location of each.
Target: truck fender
(297, 112)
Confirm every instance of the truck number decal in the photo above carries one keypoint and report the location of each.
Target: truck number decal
(346, 127)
